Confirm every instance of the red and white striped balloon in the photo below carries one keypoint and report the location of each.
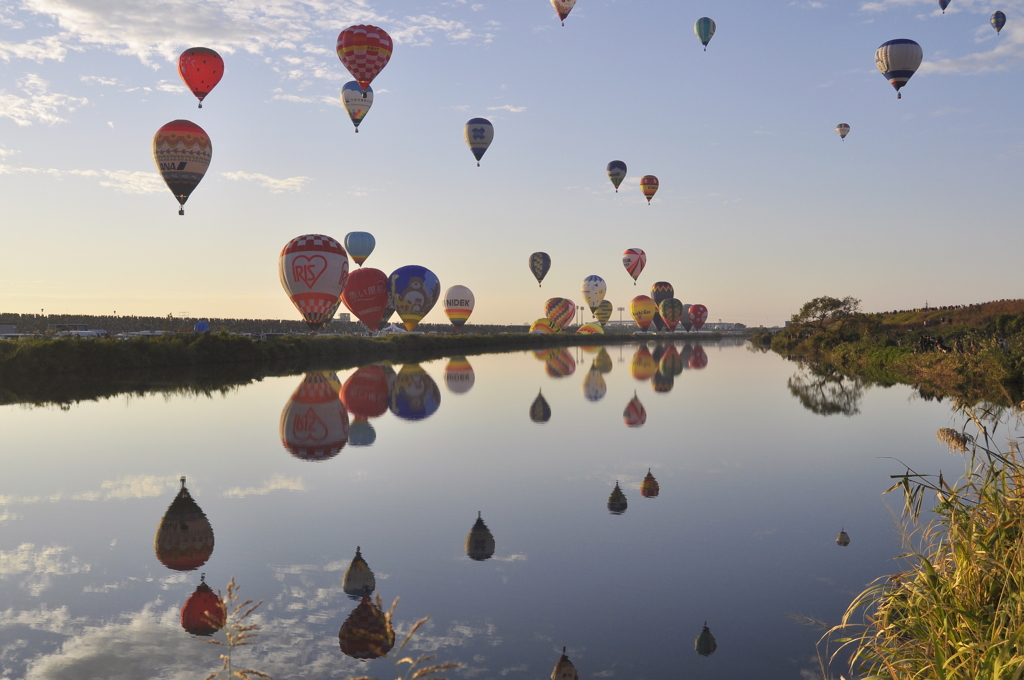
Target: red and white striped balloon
(313, 270)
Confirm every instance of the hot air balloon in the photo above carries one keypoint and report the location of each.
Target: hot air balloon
(366, 296)
(616, 173)
(843, 539)
(564, 670)
(184, 539)
(671, 312)
(705, 30)
(560, 363)
(545, 326)
(563, 7)
(540, 263)
(603, 362)
(649, 487)
(201, 69)
(998, 20)
(389, 311)
(204, 612)
(617, 501)
(358, 581)
(705, 644)
(671, 363)
(642, 308)
(359, 245)
(590, 329)
(698, 358)
(634, 415)
(594, 386)
(634, 260)
(593, 289)
(943, 4)
(662, 382)
(698, 314)
(365, 393)
(458, 375)
(367, 632)
(458, 305)
(685, 321)
(540, 412)
(643, 366)
(357, 103)
(365, 51)
(479, 133)
(842, 130)
(182, 152)
(604, 312)
(649, 187)
(897, 60)
(661, 290)
(561, 311)
(314, 270)
(480, 541)
(415, 290)
(415, 395)
(314, 422)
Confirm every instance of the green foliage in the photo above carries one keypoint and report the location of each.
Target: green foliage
(822, 311)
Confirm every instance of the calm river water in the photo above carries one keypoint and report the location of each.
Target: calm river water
(752, 489)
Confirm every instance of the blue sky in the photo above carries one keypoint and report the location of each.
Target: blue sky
(761, 206)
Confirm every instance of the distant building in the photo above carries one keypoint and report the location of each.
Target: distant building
(8, 329)
(343, 318)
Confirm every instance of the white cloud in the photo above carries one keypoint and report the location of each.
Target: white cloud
(99, 80)
(275, 483)
(170, 86)
(275, 186)
(507, 107)
(126, 182)
(38, 566)
(38, 50)
(418, 30)
(40, 105)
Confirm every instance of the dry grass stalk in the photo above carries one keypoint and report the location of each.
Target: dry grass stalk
(237, 632)
(416, 669)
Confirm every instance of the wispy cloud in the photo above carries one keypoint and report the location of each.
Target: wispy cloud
(125, 181)
(507, 107)
(35, 566)
(276, 186)
(99, 80)
(275, 483)
(39, 105)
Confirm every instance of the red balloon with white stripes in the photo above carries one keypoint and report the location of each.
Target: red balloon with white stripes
(313, 270)
(365, 51)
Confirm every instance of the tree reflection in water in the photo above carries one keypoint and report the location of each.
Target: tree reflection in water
(825, 391)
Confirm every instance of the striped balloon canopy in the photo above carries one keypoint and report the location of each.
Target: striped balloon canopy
(634, 415)
(458, 305)
(560, 363)
(616, 173)
(704, 28)
(182, 152)
(364, 50)
(563, 7)
(842, 130)
(603, 312)
(671, 311)
(649, 187)
(479, 133)
(359, 245)
(998, 20)
(634, 260)
(898, 60)
(561, 311)
(545, 326)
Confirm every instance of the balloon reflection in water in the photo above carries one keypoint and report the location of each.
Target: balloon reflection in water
(564, 670)
(358, 580)
(671, 363)
(365, 396)
(594, 386)
(480, 541)
(843, 539)
(662, 383)
(649, 487)
(603, 362)
(635, 415)
(184, 539)
(617, 501)
(685, 355)
(643, 366)
(415, 395)
(204, 613)
(540, 412)
(560, 363)
(699, 359)
(458, 375)
(705, 643)
(314, 422)
(367, 632)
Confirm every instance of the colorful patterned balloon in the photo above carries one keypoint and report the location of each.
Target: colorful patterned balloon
(842, 130)
(634, 415)
(545, 326)
(356, 102)
(898, 60)
(593, 289)
(365, 51)
(560, 363)
(634, 260)
(479, 133)
(662, 383)
(458, 305)
(415, 395)
(649, 487)
(643, 366)
(366, 296)
(563, 7)
(603, 361)
(649, 187)
(685, 321)
(671, 311)
(458, 375)
(604, 312)
(590, 329)
(561, 311)
(201, 69)
(367, 632)
(642, 309)
(415, 290)
(616, 173)
(661, 290)
(314, 422)
(671, 363)
(540, 263)
(359, 245)
(313, 270)
(182, 152)
(698, 315)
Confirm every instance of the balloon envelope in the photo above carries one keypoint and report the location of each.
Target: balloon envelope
(545, 326)
(540, 412)
(359, 245)
(643, 366)
(699, 358)
(415, 395)
(364, 50)
(604, 312)
(616, 173)
(314, 270)
(458, 375)
(842, 130)
(458, 305)
(634, 260)
(593, 290)
(184, 538)
(561, 311)
(704, 28)
(560, 363)
(998, 20)
(898, 60)
(366, 296)
(415, 291)
(642, 308)
(603, 361)
(479, 133)
(314, 422)
(201, 69)
(357, 103)
(540, 263)
(649, 187)
(671, 311)
(634, 414)
(182, 152)
(698, 315)
(590, 329)
(365, 393)
(594, 386)
(563, 7)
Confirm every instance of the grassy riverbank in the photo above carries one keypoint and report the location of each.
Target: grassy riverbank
(974, 352)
